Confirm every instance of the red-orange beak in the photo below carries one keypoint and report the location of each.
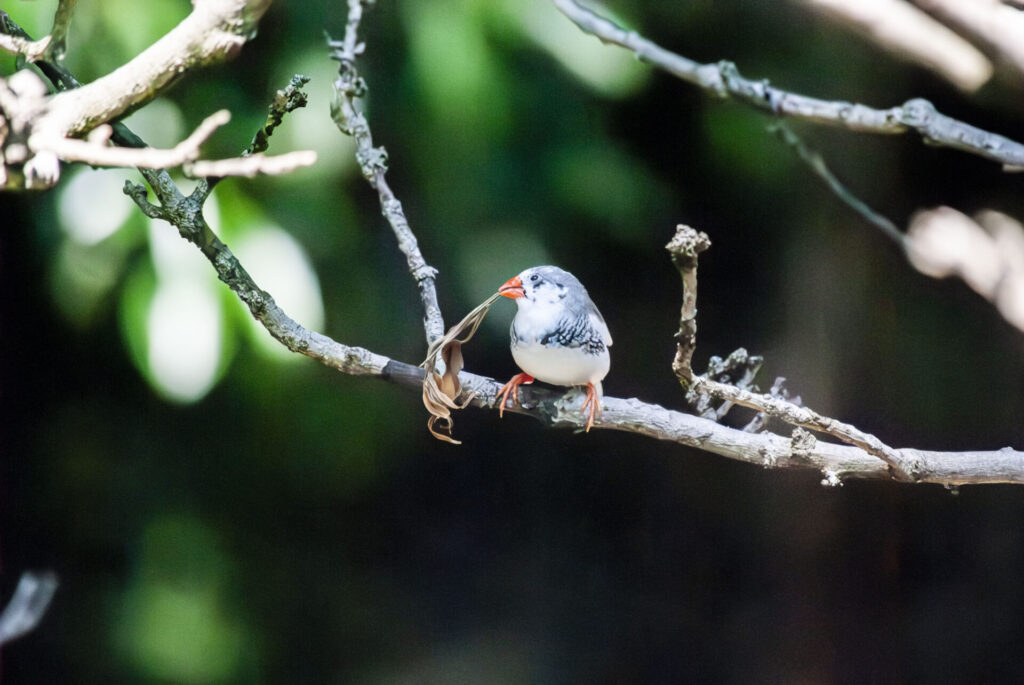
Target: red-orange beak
(512, 288)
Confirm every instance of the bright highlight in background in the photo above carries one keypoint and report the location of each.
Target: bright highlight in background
(280, 266)
(184, 338)
(92, 206)
(612, 72)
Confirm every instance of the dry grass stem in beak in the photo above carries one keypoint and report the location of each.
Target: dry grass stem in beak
(441, 390)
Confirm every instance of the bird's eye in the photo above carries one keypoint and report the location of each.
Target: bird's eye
(535, 278)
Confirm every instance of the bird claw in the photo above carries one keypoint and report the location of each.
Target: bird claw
(591, 405)
(594, 402)
(512, 388)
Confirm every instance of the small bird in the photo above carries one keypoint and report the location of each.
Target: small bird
(558, 336)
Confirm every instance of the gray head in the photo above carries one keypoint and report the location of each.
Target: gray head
(547, 287)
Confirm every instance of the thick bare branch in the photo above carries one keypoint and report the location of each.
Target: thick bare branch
(215, 29)
(987, 252)
(996, 28)
(723, 80)
(907, 32)
(373, 161)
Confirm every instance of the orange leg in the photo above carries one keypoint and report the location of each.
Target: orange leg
(594, 402)
(512, 388)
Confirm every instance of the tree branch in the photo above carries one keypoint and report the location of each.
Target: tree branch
(373, 161)
(684, 249)
(723, 80)
(215, 29)
(904, 467)
(96, 152)
(59, 34)
(28, 605)
(909, 33)
(997, 29)
(817, 164)
(835, 462)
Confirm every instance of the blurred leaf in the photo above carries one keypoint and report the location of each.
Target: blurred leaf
(611, 71)
(461, 79)
(173, 624)
(92, 206)
(174, 328)
(184, 335)
(160, 123)
(741, 143)
(609, 187)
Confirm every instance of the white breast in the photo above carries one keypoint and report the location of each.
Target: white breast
(562, 365)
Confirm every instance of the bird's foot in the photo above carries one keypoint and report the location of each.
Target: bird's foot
(594, 402)
(512, 388)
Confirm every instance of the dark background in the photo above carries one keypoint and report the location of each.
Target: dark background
(297, 525)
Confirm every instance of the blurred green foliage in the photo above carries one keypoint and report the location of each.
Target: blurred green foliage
(274, 521)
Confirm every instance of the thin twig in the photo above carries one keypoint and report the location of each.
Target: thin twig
(723, 80)
(286, 100)
(904, 468)
(348, 88)
(252, 165)
(59, 35)
(96, 152)
(684, 249)
(817, 164)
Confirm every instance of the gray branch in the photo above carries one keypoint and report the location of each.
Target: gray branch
(373, 162)
(214, 30)
(835, 462)
(724, 80)
(59, 35)
(28, 605)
